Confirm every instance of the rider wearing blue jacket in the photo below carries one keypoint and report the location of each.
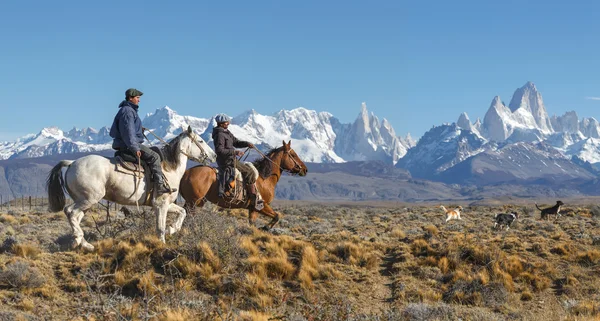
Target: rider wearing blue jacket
(128, 136)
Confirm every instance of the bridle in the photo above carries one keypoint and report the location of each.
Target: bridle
(289, 155)
(201, 160)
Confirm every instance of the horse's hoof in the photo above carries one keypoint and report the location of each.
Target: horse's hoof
(87, 247)
(265, 228)
(171, 230)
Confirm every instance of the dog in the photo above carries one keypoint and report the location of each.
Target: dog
(554, 210)
(505, 219)
(452, 214)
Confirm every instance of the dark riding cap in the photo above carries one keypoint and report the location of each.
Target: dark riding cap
(132, 92)
(222, 118)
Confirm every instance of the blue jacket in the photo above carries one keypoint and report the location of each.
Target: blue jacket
(126, 129)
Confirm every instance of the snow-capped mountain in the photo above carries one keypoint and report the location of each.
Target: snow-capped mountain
(522, 130)
(441, 148)
(316, 136)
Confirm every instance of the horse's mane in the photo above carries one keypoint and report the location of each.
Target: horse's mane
(264, 165)
(171, 152)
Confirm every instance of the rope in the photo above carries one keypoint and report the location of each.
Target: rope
(137, 205)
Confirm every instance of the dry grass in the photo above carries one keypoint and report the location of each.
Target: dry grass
(321, 263)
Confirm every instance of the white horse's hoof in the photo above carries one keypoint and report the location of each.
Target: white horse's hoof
(171, 230)
(87, 246)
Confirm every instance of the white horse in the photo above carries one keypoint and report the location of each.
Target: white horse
(92, 178)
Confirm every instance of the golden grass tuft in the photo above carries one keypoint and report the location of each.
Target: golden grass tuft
(185, 266)
(8, 219)
(483, 276)
(397, 233)
(176, 315)
(28, 250)
(253, 316)
(560, 249)
(589, 258)
(26, 304)
(308, 267)
(526, 296)
(503, 277)
(106, 247)
(586, 308)
(537, 282)
(247, 244)
(24, 220)
(152, 242)
(420, 247)
(444, 264)
(513, 266)
(120, 278)
(431, 229)
(147, 284)
(279, 268)
(207, 256)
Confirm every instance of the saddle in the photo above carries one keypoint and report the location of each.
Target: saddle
(128, 164)
(235, 191)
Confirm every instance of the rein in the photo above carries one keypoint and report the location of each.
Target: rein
(281, 168)
(204, 155)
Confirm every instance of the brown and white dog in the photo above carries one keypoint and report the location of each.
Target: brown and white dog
(452, 214)
(554, 210)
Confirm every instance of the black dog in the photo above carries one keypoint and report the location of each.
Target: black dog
(505, 219)
(554, 210)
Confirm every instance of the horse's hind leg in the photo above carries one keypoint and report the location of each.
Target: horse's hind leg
(252, 215)
(75, 213)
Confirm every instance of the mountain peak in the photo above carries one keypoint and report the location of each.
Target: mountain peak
(530, 85)
(529, 99)
(464, 122)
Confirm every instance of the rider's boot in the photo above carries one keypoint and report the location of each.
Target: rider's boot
(161, 187)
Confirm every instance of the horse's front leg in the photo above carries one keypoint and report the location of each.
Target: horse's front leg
(176, 226)
(161, 208)
(268, 211)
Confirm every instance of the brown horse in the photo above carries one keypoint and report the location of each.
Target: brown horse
(199, 184)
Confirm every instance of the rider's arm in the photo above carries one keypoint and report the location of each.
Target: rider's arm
(128, 132)
(240, 143)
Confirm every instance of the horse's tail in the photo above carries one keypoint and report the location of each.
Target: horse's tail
(54, 185)
(538, 207)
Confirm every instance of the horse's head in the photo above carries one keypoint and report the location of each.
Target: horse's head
(197, 149)
(291, 162)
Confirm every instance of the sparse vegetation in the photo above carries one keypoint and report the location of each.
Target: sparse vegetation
(320, 263)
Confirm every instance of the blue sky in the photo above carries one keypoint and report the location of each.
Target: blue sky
(418, 64)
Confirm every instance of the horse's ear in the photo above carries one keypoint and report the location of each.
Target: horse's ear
(286, 147)
(290, 143)
(189, 129)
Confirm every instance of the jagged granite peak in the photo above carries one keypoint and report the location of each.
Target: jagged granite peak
(569, 122)
(367, 136)
(590, 127)
(477, 125)
(464, 122)
(408, 141)
(495, 122)
(528, 98)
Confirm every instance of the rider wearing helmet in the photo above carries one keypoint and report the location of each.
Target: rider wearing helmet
(225, 147)
(128, 137)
